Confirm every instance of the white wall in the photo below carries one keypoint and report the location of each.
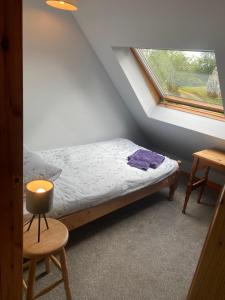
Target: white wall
(68, 97)
(156, 24)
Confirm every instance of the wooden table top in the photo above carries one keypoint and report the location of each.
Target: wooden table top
(215, 156)
(51, 240)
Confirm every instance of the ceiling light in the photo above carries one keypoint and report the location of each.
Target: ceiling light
(65, 5)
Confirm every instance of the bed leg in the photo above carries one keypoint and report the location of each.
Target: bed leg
(173, 185)
(172, 192)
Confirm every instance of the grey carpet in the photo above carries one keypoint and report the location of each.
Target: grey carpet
(148, 250)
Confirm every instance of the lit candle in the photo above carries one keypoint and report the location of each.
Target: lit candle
(40, 190)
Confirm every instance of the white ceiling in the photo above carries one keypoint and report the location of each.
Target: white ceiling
(175, 24)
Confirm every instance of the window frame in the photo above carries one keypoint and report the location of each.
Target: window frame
(177, 103)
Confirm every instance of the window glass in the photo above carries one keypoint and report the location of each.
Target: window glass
(184, 74)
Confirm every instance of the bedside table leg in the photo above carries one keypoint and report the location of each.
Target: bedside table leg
(190, 183)
(203, 185)
(65, 276)
(31, 280)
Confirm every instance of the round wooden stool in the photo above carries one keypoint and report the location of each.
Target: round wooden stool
(52, 242)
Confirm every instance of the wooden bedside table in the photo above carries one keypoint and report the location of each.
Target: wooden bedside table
(204, 159)
(52, 242)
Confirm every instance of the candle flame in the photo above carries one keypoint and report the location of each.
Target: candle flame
(40, 190)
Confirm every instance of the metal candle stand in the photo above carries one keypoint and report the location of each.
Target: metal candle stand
(29, 223)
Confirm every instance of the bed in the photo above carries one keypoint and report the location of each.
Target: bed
(96, 180)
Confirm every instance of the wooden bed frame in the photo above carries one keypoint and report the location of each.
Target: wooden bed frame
(85, 216)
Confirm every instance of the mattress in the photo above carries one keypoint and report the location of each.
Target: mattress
(95, 173)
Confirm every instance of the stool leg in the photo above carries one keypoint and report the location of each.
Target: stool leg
(203, 185)
(189, 186)
(47, 265)
(31, 280)
(65, 274)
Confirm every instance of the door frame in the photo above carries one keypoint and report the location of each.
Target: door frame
(209, 277)
(11, 150)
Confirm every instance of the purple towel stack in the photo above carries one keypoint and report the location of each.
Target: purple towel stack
(145, 159)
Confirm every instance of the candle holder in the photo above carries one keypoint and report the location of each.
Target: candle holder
(39, 200)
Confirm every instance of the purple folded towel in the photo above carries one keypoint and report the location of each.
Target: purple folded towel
(144, 159)
(139, 164)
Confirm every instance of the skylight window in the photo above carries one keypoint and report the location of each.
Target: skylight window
(184, 80)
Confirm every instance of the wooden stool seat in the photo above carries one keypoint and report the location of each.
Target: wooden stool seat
(52, 239)
(51, 243)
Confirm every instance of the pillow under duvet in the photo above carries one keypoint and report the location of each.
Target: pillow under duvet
(34, 167)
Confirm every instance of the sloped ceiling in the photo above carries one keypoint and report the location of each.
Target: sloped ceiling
(176, 24)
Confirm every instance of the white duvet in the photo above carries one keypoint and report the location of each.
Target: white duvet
(94, 173)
